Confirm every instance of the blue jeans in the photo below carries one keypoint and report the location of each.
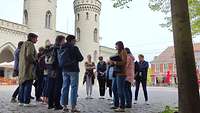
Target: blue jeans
(45, 86)
(69, 78)
(25, 92)
(118, 91)
(128, 94)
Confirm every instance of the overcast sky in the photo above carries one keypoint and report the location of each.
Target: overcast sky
(138, 27)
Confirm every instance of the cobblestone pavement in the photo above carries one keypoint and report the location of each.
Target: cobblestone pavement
(158, 98)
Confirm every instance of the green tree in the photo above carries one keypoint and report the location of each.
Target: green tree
(165, 7)
(188, 90)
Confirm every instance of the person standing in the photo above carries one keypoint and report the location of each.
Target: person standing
(141, 69)
(109, 78)
(101, 76)
(69, 60)
(39, 73)
(119, 81)
(27, 67)
(55, 75)
(129, 78)
(89, 76)
(16, 70)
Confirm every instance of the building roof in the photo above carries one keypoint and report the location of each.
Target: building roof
(168, 55)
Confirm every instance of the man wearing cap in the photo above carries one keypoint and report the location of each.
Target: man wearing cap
(27, 66)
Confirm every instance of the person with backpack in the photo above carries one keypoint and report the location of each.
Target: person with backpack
(54, 74)
(101, 76)
(16, 70)
(69, 57)
(141, 70)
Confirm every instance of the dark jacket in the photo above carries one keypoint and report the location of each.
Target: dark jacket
(76, 57)
(141, 70)
(101, 68)
(16, 59)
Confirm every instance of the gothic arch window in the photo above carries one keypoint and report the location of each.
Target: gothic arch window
(78, 34)
(95, 17)
(25, 17)
(87, 15)
(48, 19)
(95, 35)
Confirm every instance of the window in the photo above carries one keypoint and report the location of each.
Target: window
(48, 19)
(95, 17)
(78, 17)
(157, 68)
(95, 35)
(78, 34)
(87, 15)
(165, 67)
(25, 17)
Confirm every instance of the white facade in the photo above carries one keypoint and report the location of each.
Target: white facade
(87, 14)
(40, 18)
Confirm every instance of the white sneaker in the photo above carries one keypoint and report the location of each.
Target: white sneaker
(20, 104)
(30, 105)
(65, 109)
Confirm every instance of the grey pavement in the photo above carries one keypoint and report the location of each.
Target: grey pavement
(159, 97)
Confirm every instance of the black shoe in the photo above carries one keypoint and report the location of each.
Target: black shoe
(58, 108)
(13, 100)
(50, 107)
(39, 100)
(128, 106)
(32, 97)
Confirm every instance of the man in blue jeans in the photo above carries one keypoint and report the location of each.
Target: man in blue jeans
(70, 74)
(27, 67)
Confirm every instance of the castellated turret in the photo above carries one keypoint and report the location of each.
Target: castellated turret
(87, 13)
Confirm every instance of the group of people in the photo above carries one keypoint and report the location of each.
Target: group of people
(55, 70)
(119, 74)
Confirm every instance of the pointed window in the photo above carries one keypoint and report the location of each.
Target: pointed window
(48, 19)
(25, 17)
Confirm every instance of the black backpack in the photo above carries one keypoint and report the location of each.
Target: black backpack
(64, 57)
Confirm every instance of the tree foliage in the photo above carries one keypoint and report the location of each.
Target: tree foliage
(121, 3)
(164, 7)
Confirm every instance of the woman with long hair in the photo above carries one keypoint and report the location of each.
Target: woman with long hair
(129, 78)
(89, 76)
